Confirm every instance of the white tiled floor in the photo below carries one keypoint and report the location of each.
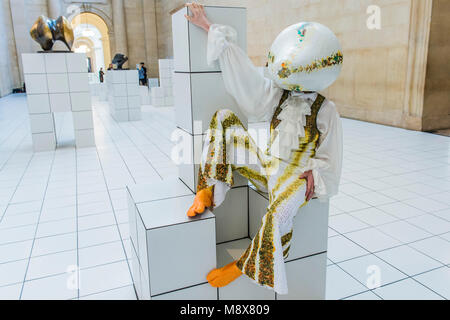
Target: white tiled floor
(63, 214)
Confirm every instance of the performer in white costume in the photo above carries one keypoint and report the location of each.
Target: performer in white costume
(304, 156)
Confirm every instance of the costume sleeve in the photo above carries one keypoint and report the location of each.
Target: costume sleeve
(255, 95)
(327, 164)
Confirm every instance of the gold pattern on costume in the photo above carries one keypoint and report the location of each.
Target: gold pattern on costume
(335, 59)
(226, 137)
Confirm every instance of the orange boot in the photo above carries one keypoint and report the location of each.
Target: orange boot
(203, 199)
(223, 276)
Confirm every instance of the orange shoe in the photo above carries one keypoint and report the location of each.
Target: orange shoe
(223, 276)
(203, 199)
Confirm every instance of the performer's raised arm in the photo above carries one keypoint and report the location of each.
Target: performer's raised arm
(256, 96)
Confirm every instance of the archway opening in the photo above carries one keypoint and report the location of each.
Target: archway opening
(92, 37)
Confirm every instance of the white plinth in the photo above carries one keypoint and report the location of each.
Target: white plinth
(197, 97)
(199, 90)
(190, 41)
(163, 238)
(166, 265)
(162, 95)
(124, 95)
(58, 82)
(144, 93)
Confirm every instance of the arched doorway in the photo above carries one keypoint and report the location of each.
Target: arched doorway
(91, 37)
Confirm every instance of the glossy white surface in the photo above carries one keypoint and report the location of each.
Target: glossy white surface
(187, 38)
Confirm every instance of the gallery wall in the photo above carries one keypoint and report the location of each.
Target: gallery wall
(436, 113)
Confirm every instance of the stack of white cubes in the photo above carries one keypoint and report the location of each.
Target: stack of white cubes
(171, 254)
(162, 96)
(58, 82)
(123, 95)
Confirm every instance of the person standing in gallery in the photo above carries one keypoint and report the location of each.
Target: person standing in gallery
(143, 75)
(100, 75)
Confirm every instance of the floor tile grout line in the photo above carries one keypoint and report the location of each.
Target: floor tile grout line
(143, 155)
(18, 184)
(76, 224)
(139, 129)
(37, 226)
(61, 251)
(59, 234)
(62, 273)
(118, 125)
(379, 251)
(117, 225)
(118, 151)
(109, 290)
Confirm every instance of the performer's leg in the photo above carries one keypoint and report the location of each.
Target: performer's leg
(263, 261)
(228, 147)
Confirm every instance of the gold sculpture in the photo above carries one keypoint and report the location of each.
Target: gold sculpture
(46, 31)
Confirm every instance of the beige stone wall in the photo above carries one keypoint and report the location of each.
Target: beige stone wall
(164, 20)
(436, 110)
(378, 80)
(372, 84)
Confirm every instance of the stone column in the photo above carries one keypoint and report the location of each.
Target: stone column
(120, 32)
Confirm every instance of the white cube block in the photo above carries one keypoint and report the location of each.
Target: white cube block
(153, 82)
(41, 123)
(144, 94)
(134, 114)
(119, 102)
(76, 62)
(36, 83)
(132, 89)
(117, 76)
(157, 102)
(134, 102)
(55, 63)
(242, 288)
(306, 278)
(57, 82)
(174, 232)
(33, 63)
(78, 82)
(82, 120)
(158, 92)
(190, 41)
(232, 216)
(200, 292)
(81, 101)
(197, 97)
(103, 92)
(172, 188)
(60, 102)
(44, 141)
(120, 115)
(119, 89)
(168, 101)
(84, 138)
(164, 63)
(132, 77)
(38, 103)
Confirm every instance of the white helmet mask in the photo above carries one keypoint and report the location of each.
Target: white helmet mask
(305, 57)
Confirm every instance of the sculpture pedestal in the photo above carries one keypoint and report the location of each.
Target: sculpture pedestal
(58, 82)
(124, 95)
(172, 254)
